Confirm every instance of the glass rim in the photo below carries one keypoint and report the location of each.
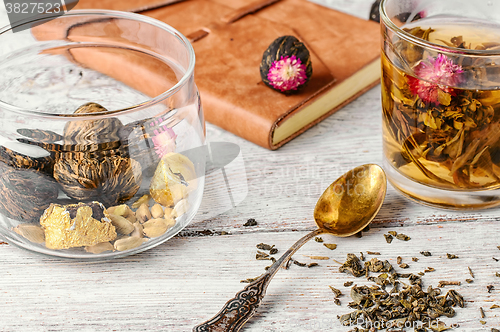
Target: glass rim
(111, 14)
(426, 44)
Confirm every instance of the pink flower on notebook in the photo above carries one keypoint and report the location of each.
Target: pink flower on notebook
(287, 74)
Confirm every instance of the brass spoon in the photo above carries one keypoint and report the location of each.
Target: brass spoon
(346, 207)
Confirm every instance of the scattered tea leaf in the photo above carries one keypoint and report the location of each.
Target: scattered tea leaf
(336, 301)
(451, 256)
(261, 255)
(353, 266)
(375, 265)
(429, 269)
(490, 288)
(336, 291)
(263, 246)
(469, 281)
(495, 259)
(312, 264)
(470, 272)
(404, 266)
(399, 260)
(273, 251)
(318, 239)
(443, 283)
(373, 253)
(425, 253)
(249, 280)
(348, 284)
(299, 263)
(403, 237)
(361, 256)
(481, 311)
(319, 258)
(495, 306)
(388, 238)
(331, 246)
(393, 233)
(250, 222)
(415, 259)
(497, 274)
(494, 330)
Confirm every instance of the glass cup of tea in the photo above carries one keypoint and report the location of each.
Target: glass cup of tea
(441, 100)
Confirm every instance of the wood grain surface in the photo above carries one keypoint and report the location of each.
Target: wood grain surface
(186, 280)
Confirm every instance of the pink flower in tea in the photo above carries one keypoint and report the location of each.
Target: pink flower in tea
(434, 75)
(164, 141)
(287, 74)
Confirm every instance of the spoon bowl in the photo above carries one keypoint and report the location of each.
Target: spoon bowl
(351, 202)
(346, 207)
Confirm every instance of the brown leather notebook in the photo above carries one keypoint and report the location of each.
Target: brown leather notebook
(229, 38)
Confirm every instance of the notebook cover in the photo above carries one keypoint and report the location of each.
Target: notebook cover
(229, 38)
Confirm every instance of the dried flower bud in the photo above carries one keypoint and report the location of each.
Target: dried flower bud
(143, 214)
(157, 211)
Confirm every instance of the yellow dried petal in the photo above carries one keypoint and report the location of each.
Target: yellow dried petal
(143, 214)
(33, 233)
(143, 200)
(138, 230)
(119, 210)
(156, 227)
(122, 224)
(173, 179)
(180, 208)
(99, 248)
(157, 211)
(63, 232)
(129, 242)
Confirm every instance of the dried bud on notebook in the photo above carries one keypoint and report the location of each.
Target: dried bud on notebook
(229, 38)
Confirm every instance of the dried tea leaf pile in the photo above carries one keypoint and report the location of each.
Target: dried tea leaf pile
(407, 302)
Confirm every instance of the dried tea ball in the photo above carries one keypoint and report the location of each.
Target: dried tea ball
(92, 131)
(286, 65)
(374, 11)
(109, 179)
(26, 193)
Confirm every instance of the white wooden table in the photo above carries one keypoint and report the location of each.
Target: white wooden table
(187, 279)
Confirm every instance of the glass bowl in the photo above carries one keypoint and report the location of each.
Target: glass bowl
(101, 122)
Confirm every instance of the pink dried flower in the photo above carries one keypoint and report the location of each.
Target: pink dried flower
(164, 141)
(287, 74)
(434, 75)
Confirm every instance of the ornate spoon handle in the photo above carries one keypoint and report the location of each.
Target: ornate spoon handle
(239, 309)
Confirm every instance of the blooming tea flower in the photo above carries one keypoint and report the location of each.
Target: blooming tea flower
(287, 74)
(436, 75)
(164, 141)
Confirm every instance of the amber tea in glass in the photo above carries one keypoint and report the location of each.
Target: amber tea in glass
(441, 101)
